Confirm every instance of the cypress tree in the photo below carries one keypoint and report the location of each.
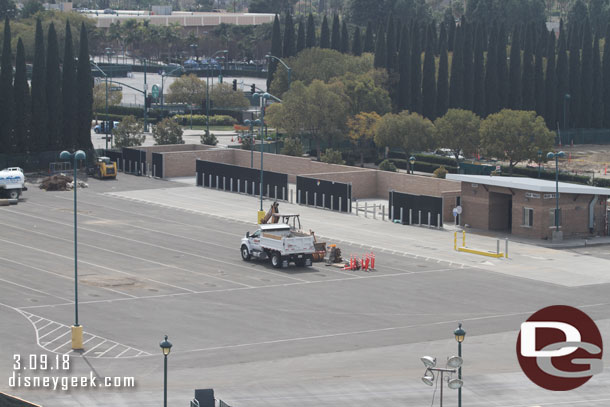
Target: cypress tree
(467, 61)
(574, 82)
(606, 78)
(369, 42)
(528, 97)
(514, 90)
(442, 34)
(20, 140)
(276, 49)
(324, 34)
(563, 81)
(288, 49)
(84, 93)
(442, 84)
(456, 86)
(380, 54)
(344, 38)
(404, 67)
(478, 103)
(492, 92)
(54, 100)
(429, 79)
(416, 101)
(502, 70)
(7, 109)
(335, 39)
(390, 47)
(68, 92)
(311, 32)
(597, 111)
(539, 85)
(586, 78)
(451, 36)
(550, 84)
(357, 44)
(301, 36)
(39, 134)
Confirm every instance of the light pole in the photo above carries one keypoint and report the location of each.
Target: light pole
(539, 161)
(77, 330)
(263, 101)
(556, 156)
(412, 162)
(166, 346)
(288, 69)
(207, 91)
(107, 121)
(453, 363)
(459, 334)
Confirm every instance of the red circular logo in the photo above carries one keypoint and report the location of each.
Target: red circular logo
(559, 348)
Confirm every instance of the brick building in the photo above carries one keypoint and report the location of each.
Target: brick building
(526, 206)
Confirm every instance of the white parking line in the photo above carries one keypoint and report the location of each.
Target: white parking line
(95, 347)
(62, 345)
(48, 333)
(108, 350)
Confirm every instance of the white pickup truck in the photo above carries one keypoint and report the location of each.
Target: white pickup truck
(281, 244)
(12, 182)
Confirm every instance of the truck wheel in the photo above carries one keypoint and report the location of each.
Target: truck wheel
(276, 260)
(13, 194)
(300, 262)
(245, 253)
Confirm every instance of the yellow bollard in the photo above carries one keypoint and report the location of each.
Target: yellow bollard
(454, 240)
(463, 238)
(261, 215)
(77, 337)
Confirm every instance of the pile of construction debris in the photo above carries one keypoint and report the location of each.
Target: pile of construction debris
(60, 182)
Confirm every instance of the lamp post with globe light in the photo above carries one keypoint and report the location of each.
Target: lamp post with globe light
(166, 346)
(460, 335)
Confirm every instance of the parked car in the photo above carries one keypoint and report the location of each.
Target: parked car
(101, 128)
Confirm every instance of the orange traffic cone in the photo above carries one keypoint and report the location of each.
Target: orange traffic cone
(372, 261)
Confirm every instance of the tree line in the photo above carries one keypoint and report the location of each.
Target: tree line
(473, 65)
(55, 113)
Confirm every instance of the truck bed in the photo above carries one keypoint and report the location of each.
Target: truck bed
(286, 245)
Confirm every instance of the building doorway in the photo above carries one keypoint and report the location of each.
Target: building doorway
(500, 211)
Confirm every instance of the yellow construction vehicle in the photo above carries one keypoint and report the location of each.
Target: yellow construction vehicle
(103, 168)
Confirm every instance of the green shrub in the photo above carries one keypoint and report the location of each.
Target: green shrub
(602, 182)
(331, 156)
(209, 139)
(440, 172)
(199, 120)
(387, 165)
(293, 147)
(167, 132)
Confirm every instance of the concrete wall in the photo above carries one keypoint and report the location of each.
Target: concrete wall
(182, 163)
(171, 148)
(366, 183)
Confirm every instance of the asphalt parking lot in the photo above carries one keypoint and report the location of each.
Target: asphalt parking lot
(259, 336)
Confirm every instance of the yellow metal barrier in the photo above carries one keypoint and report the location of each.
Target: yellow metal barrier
(498, 254)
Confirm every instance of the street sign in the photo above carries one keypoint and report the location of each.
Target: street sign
(116, 88)
(155, 91)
